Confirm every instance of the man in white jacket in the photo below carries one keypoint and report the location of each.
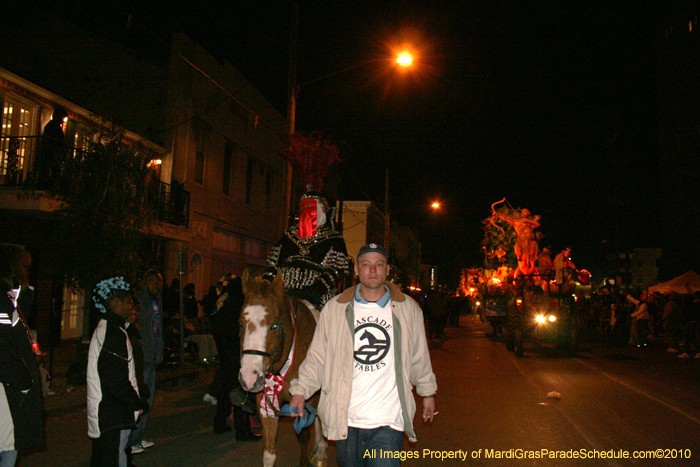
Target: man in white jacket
(368, 352)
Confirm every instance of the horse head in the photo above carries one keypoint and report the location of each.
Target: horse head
(263, 324)
(275, 330)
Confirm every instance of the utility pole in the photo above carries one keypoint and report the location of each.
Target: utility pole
(181, 258)
(291, 104)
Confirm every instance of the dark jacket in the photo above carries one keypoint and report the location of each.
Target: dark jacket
(135, 339)
(113, 398)
(224, 324)
(19, 371)
(152, 349)
(312, 268)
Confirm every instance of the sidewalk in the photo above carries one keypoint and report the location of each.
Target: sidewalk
(69, 398)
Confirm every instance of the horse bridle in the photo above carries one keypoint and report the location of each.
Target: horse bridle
(279, 348)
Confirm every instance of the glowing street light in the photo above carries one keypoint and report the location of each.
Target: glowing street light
(404, 59)
(435, 205)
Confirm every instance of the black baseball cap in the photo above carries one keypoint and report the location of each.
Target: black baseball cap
(372, 248)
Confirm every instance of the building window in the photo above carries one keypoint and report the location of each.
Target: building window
(72, 316)
(249, 176)
(14, 145)
(81, 141)
(200, 136)
(226, 241)
(228, 165)
(253, 248)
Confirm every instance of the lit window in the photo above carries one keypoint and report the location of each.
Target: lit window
(81, 140)
(14, 144)
(72, 316)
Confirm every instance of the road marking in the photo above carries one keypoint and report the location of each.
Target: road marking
(591, 439)
(641, 392)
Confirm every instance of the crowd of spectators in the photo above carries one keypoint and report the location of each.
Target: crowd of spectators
(642, 319)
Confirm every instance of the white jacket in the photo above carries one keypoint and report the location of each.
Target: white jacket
(329, 362)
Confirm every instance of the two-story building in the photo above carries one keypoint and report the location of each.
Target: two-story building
(212, 133)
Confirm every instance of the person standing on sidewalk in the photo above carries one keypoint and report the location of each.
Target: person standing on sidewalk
(21, 412)
(151, 300)
(226, 334)
(640, 320)
(113, 400)
(369, 350)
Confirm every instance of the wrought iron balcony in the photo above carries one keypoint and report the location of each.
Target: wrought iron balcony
(171, 203)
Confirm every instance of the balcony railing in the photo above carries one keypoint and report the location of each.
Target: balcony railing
(170, 202)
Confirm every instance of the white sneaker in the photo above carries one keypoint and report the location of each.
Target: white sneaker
(146, 444)
(684, 355)
(671, 349)
(137, 449)
(209, 398)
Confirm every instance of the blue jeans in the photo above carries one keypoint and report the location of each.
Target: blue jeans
(149, 379)
(373, 447)
(109, 450)
(8, 458)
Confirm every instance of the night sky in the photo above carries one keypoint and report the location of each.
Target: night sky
(552, 104)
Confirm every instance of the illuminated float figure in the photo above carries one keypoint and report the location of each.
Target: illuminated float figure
(526, 248)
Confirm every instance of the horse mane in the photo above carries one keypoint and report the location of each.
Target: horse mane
(255, 285)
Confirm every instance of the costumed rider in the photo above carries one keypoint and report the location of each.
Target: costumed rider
(311, 256)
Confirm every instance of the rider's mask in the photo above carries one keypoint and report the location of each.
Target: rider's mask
(311, 218)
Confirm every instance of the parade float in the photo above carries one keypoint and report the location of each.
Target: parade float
(520, 290)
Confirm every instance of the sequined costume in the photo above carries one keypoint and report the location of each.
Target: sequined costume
(312, 268)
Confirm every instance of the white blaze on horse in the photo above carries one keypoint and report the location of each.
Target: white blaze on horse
(276, 331)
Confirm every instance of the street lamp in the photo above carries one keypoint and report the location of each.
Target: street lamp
(403, 59)
(387, 213)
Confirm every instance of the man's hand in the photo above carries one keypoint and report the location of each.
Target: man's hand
(298, 402)
(429, 407)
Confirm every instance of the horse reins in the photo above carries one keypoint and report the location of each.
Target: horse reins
(275, 357)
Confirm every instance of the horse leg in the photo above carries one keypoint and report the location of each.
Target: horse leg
(320, 458)
(269, 432)
(303, 439)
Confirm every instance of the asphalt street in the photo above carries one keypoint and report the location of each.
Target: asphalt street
(495, 410)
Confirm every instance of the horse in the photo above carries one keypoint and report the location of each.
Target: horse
(276, 332)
